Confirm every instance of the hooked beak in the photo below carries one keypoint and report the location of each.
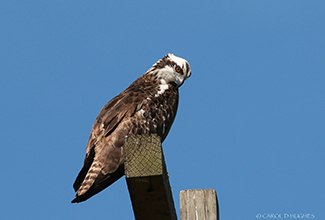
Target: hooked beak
(178, 81)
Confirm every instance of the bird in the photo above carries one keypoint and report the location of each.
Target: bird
(147, 106)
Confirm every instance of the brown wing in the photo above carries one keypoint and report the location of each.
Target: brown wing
(103, 161)
(137, 110)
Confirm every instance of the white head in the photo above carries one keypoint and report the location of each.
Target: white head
(172, 69)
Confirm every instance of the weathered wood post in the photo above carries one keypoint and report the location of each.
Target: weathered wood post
(199, 204)
(147, 178)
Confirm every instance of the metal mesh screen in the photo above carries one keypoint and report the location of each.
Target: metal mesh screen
(143, 156)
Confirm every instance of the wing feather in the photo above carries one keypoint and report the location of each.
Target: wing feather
(110, 117)
(90, 179)
(134, 111)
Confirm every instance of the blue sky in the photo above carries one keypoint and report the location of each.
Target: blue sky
(251, 117)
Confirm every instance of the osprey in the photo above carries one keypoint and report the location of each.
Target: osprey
(147, 106)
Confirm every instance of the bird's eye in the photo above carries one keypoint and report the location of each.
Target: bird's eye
(178, 69)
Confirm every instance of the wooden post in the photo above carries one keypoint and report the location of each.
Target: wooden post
(147, 178)
(199, 204)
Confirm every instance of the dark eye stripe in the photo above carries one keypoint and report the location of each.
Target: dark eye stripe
(187, 67)
(179, 70)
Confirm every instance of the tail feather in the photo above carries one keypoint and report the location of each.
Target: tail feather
(89, 159)
(89, 179)
(101, 182)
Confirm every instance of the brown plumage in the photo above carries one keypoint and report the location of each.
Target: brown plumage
(147, 106)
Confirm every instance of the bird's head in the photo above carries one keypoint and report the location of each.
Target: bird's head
(172, 69)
